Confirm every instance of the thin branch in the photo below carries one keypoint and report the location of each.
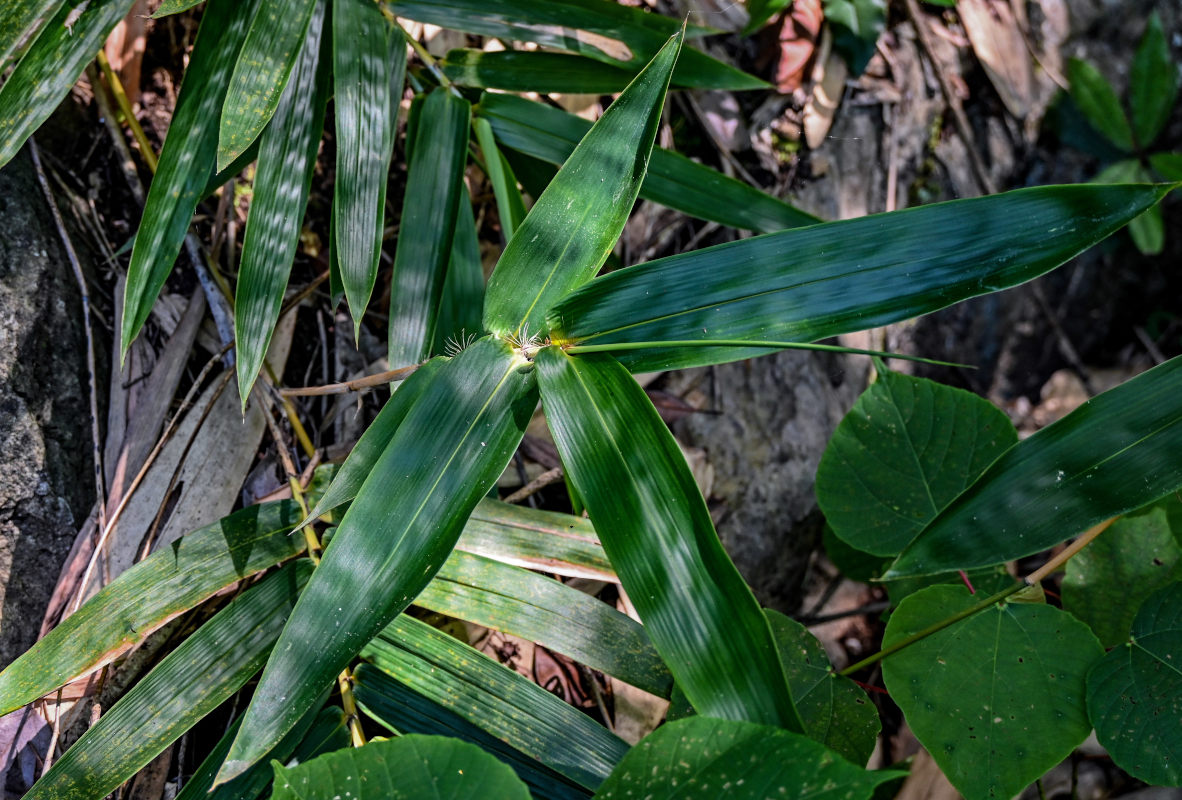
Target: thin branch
(545, 479)
(368, 382)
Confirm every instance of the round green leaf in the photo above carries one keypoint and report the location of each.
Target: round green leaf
(408, 768)
(1110, 578)
(905, 450)
(706, 757)
(1135, 693)
(835, 711)
(996, 698)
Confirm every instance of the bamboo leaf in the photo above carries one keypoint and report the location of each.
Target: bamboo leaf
(159, 588)
(1153, 83)
(657, 532)
(1107, 582)
(448, 451)
(186, 160)
(1095, 97)
(1135, 693)
(411, 767)
(542, 610)
(191, 681)
(519, 715)
(561, 544)
(533, 71)
(810, 283)
(905, 450)
(575, 223)
(618, 35)
(672, 180)
(169, 7)
(434, 187)
(276, 35)
(462, 303)
(737, 760)
(66, 43)
(995, 698)
(1114, 453)
(20, 21)
(287, 157)
(369, 65)
(510, 205)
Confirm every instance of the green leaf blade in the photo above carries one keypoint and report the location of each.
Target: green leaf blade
(159, 588)
(190, 682)
(20, 22)
(1135, 693)
(799, 285)
(434, 188)
(276, 35)
(369, 66)
(287, 157)
(574, 225)
(1111, 455)
(1096, 98)
(450, 448)
(905, 450)
(1153, 83)
(53, 62)
(413, 767)
(657, 532)
(995, 698)
(533, 71)
(186, 160)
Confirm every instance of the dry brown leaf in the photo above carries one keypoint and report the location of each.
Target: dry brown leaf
(797, 38)
(997, 40)
(829, 76)
(125, 48)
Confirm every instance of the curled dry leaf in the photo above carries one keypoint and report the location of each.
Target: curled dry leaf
(797, 40)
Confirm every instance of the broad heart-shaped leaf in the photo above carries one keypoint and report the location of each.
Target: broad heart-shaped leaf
(1116, 452)
(318, 732)
(20, 21)
(701, 757)
(996, 698)
(434, 188)
(673, 180)
(369, 65)
(574, 225)
(1135, 693)
(51, 65)
(655, 527)
(1096, 98)
(1153, 83)
(191, 681)
(905, 450)
(542, 610)
(835, 711)
(533, 71)
(413, 767)
(452, 446)
(518, 719)
(1110, 578)
(613, 33)
(277, 34)
(186, 160)
(287, 156)
(167, 583)
(810, 283)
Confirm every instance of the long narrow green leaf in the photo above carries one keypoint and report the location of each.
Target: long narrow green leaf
(657, 532)
(369, 65)
(573, 227)
(462, 304)
(510, 206)
(542, 610)
(287, 156)
(1096, 98)
(561, 544)
(169, 7)
(191, 681)
(277, 34)
(512, 709)
(52, 64)
(402, 710)
(186, 160)
(162, 586)
(610, 32)
(445, 455)
(673, 180)
(20, 21)
(1153, 83)
(369, 448)
(807, 284)
(533, 71)
(434, 187)
(1116, 452)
